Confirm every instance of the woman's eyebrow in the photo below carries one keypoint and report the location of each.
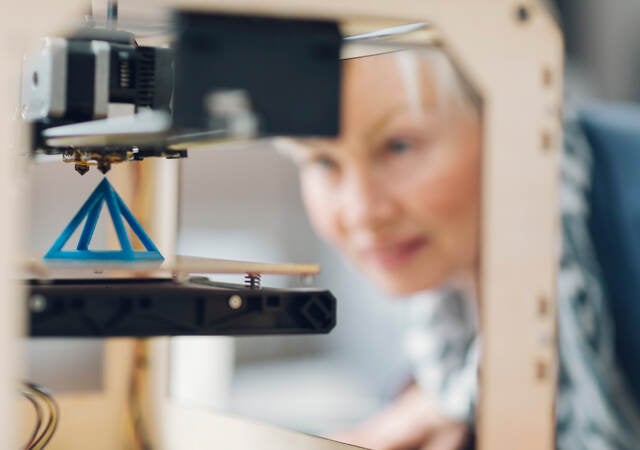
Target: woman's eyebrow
(379, 126)
(426, 115)
(386, 118)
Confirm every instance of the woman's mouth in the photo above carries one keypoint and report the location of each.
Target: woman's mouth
(389, 256)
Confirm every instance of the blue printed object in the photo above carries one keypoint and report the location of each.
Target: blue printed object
(90, 210)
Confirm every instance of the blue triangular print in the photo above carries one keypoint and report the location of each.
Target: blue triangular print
(90, 210)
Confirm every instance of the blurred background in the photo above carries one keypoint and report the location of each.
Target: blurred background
(242, 202)
(603, 48)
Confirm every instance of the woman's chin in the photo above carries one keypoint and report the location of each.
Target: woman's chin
(403, 284)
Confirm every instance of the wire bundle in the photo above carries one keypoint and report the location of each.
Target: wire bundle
(47, 413)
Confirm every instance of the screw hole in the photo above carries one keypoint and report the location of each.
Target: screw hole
(522, 13)
(35, 78)
(546, 141)
(235, 302)
(547, 77)
(38, 303)
(543, 306)
(541, 370)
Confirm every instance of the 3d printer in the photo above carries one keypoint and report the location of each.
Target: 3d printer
(488, 41)
(203, 88)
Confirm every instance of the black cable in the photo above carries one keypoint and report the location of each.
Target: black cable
(36, 406)
(52, 423)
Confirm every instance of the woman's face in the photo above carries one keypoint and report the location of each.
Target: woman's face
(398, 191)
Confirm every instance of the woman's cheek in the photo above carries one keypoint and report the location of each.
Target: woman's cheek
(441, 190)
(413, 164)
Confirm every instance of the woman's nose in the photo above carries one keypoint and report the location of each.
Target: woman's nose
(366, 201)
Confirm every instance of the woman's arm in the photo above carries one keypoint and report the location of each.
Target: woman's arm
(412, 422)
(434, 413)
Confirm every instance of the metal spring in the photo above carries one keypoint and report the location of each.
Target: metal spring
(252, 280)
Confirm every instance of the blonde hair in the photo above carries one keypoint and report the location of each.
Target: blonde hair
(451, 87)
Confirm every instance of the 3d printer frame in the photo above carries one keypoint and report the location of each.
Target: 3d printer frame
(512, 52)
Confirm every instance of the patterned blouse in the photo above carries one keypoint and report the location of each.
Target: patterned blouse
(594, 408)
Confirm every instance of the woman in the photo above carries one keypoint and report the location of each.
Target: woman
(398, 193)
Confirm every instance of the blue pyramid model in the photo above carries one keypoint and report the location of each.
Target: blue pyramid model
(90, 210)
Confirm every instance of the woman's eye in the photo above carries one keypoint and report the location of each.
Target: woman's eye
(399, 145)
(324, 162)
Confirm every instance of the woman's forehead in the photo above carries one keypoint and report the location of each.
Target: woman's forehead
(374, 84)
